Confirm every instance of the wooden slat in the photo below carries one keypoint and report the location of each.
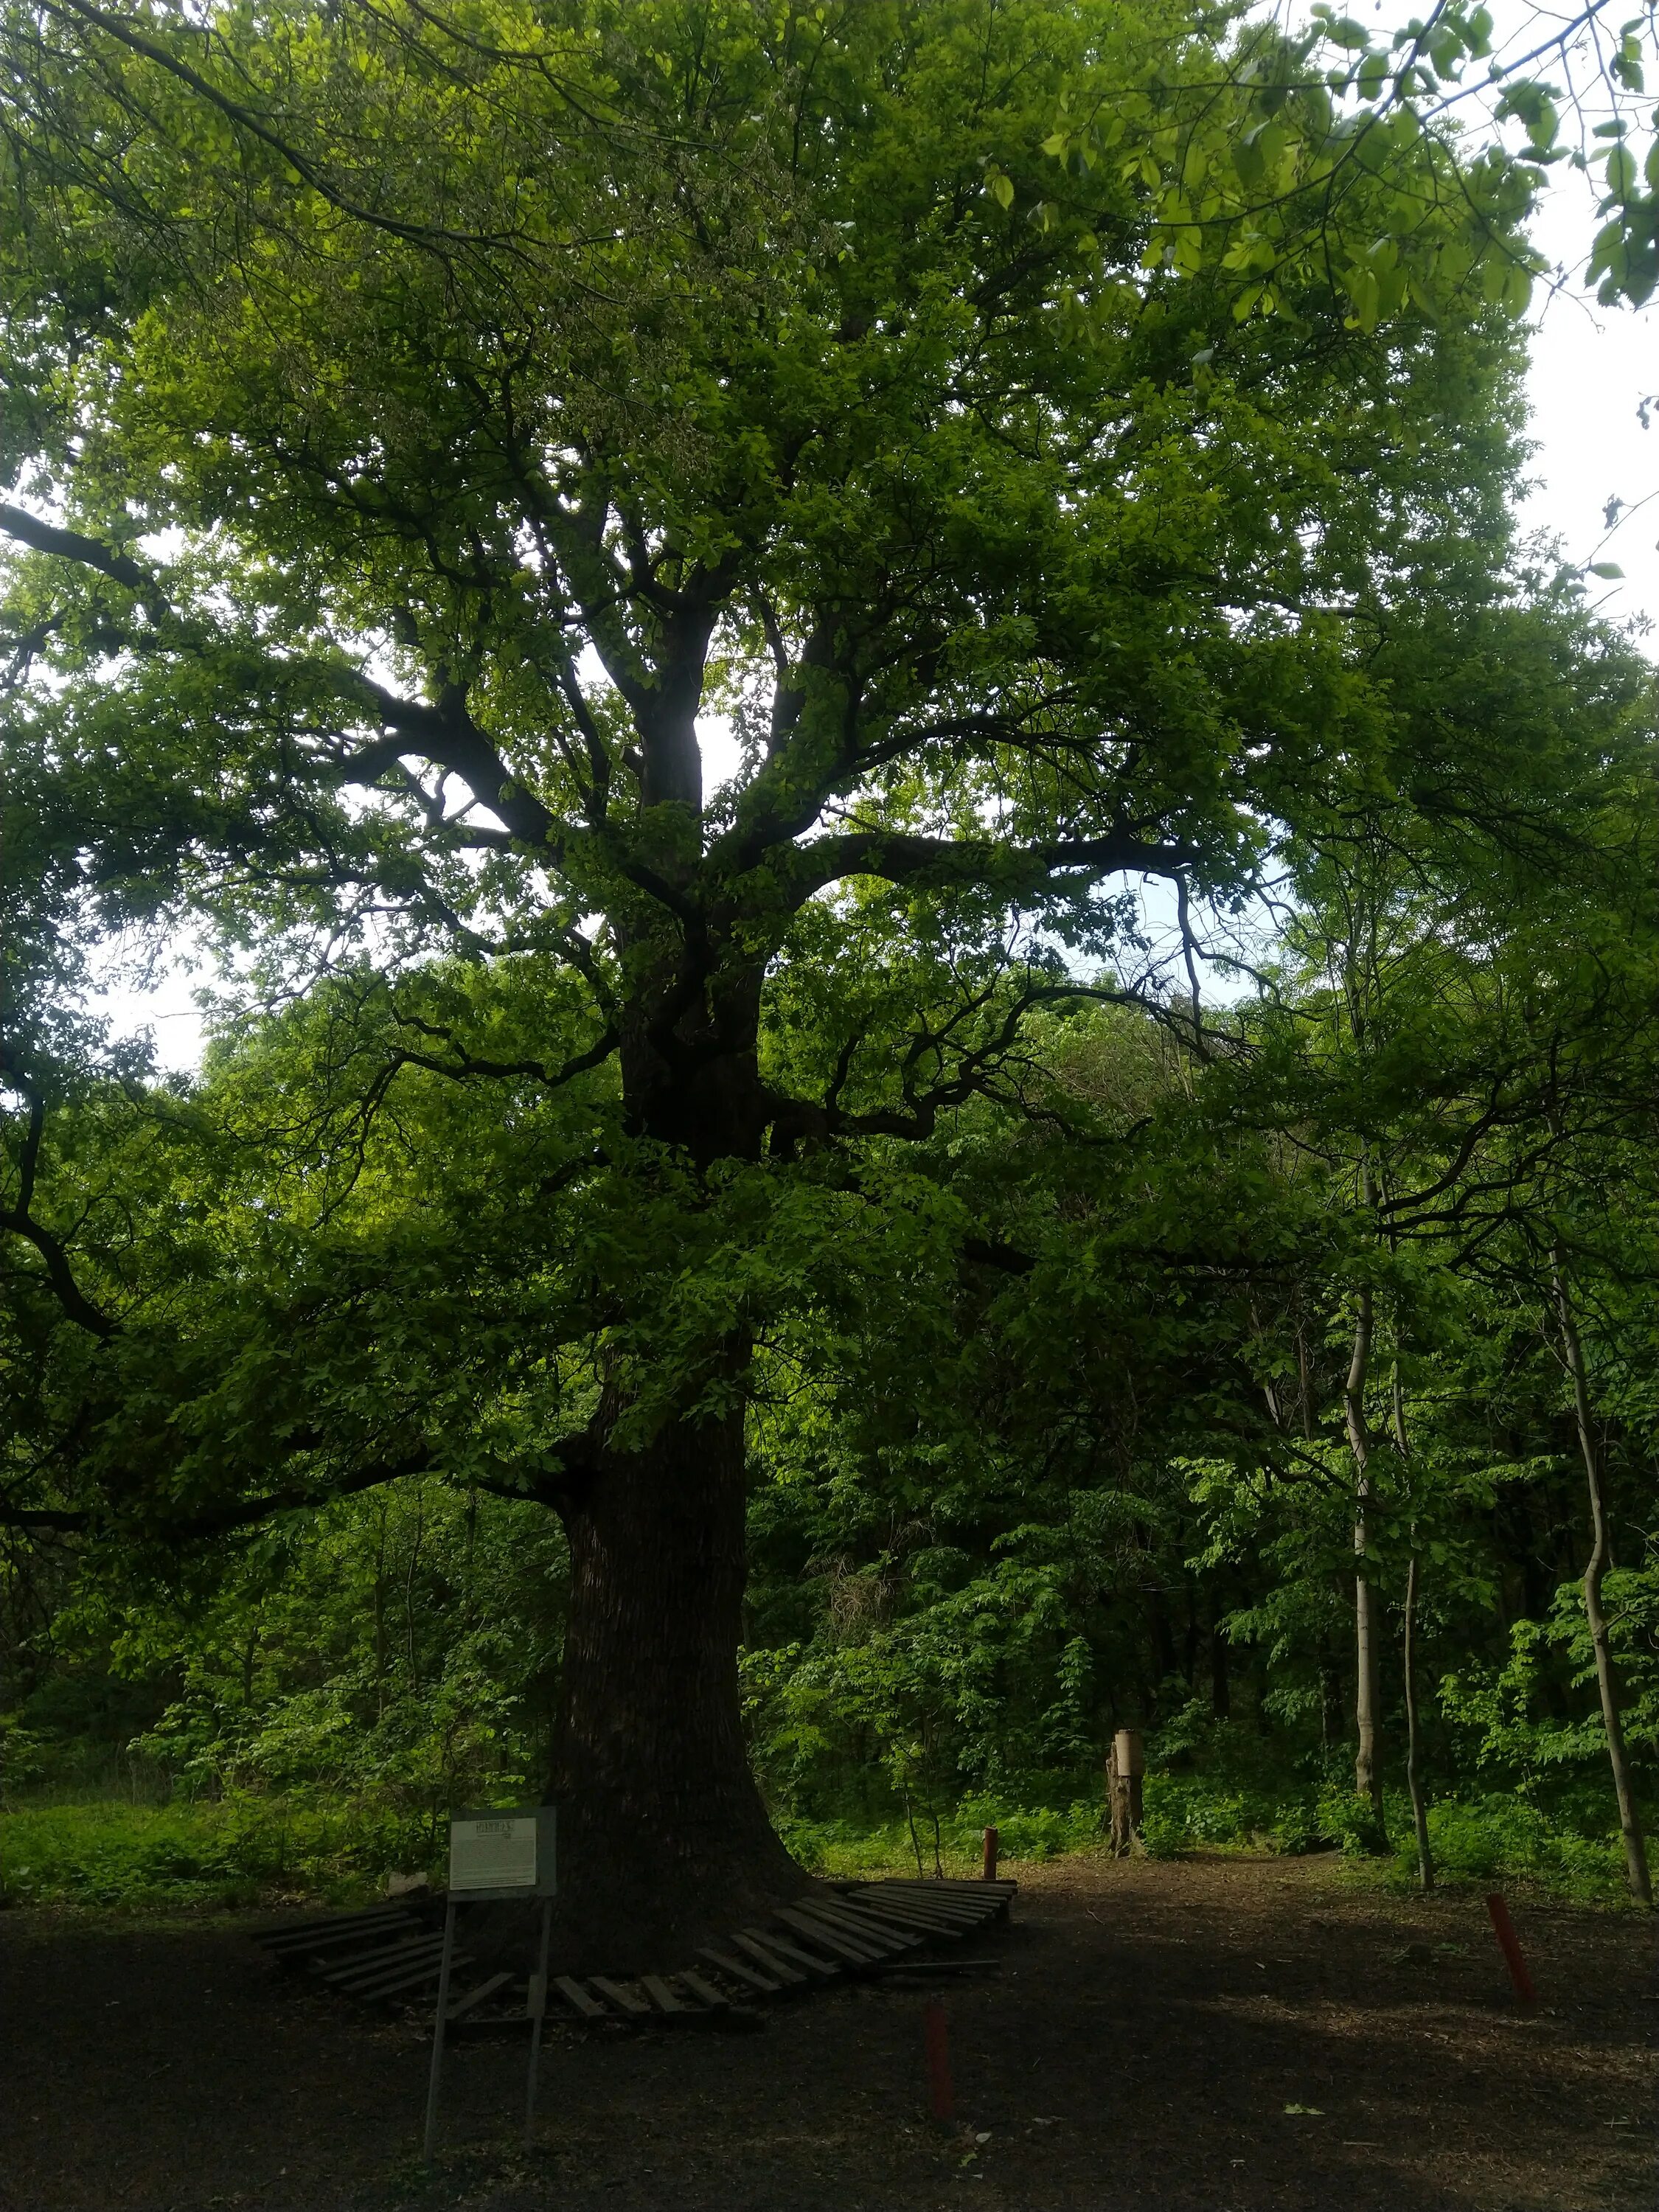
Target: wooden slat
(852, 1947)
(703, 1990)
(956, 1885)
(773, 1963)
(946, 1893)
(970, 1891)
(920, 1917)
(578, 1999)
(624, 1999)
(405, 1987)
(358, 1932)
(899, 1912)
(414, 1974)
(869, 1925)
(315, 1947)
(295, 1931)
(769, 1939)
(370, 1969)
(386, 1962)
(472, 1998)
(882, 1893)
(966, 1914)
(384, 1954)
(750, 1976)
(390, 1951)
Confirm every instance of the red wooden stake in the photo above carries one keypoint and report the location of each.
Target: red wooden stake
(989, 1872)
(941, 2098)
(1510, 1944)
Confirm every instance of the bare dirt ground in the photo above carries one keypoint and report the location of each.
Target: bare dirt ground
(1207, 2035)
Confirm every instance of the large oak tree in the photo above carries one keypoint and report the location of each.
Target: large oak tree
(422, 430)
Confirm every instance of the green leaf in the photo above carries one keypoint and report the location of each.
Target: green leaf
(1621, 173)
(1345, 32)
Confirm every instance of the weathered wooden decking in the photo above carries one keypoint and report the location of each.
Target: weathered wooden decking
(388, 1956)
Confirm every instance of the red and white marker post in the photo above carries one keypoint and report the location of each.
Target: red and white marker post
(936, 2044)
(1509, 1944)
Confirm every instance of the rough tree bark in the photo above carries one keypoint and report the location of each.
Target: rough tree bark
(1590, 1445)
(664, 1840)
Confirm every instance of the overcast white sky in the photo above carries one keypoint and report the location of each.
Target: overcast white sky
(1591, 368)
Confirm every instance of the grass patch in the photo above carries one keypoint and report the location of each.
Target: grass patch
(234, 1851)
(837, 1847)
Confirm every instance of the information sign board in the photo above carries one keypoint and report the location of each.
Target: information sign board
(505, 1853)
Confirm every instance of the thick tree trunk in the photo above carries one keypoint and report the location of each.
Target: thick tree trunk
(1589, 1444)
(663, 1843)
(663, 1838)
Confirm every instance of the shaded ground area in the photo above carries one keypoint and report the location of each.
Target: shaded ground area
(1150, 2027)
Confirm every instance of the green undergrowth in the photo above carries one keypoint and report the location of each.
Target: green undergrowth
(1507, 1843)
(1567, 1851)
(228, 1852)
(846, 1847)
(240, 1851)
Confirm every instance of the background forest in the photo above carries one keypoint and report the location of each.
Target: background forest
(988, 1525)
(1228, 1312)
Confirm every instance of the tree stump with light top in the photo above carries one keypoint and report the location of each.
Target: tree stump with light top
(1126, 1768)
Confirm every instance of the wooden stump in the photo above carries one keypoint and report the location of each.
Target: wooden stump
(1126, 1767)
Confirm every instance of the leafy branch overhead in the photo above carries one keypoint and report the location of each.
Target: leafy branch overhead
(717, 391)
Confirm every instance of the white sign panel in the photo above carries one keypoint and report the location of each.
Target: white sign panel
(495, 1852)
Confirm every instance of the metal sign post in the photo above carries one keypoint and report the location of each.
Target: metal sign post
(509, 1852)
(538, 2013)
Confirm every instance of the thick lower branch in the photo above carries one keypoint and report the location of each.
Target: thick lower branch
(898, 856)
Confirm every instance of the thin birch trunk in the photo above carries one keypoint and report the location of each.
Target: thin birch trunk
(1367, 1775)
(1413, 1769)
(1629, 1822)
(1413, 1742)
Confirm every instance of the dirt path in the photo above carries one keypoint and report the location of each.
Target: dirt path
(1149, 2029)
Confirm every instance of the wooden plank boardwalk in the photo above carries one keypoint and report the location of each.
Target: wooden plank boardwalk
(387, 1955)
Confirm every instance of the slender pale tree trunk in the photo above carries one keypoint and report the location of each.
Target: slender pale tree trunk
(1367, 1773)
(1629, 1823)
(1414, 1740)
(1414, 1756)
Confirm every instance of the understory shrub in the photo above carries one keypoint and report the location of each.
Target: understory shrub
(1506, 1841)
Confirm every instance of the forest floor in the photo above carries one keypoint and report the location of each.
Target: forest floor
(1208, 2035)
